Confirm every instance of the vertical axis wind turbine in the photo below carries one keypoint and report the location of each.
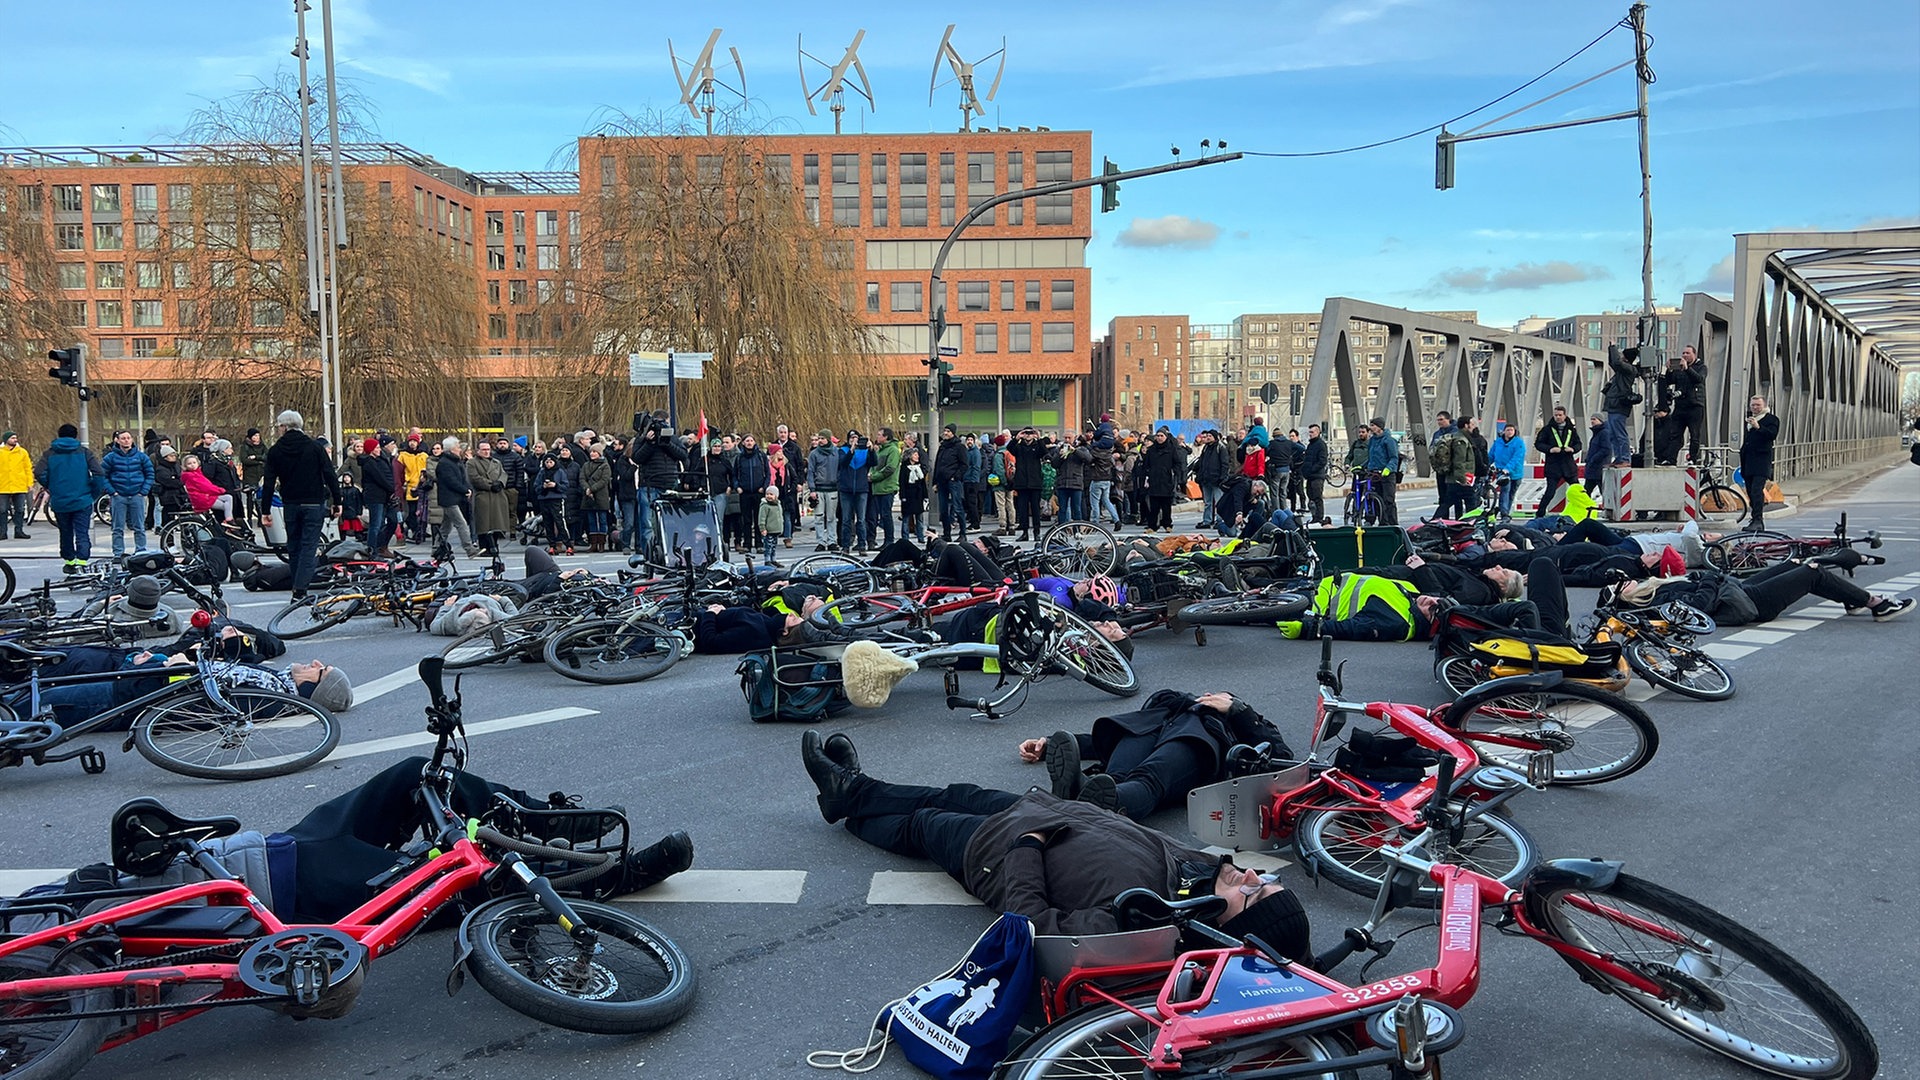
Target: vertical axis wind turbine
(833, 90)
(963, 74)
(696, 90)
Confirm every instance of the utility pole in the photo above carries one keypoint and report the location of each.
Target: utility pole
(1109, 180)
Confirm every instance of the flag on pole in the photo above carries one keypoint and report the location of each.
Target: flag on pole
(700, 433)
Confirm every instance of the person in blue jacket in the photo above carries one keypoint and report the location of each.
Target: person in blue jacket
(1383, 460)
(1508, 455)
(129, 474)
(855, 482)
(73, 478)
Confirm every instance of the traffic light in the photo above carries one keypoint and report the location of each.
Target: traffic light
(1445, 153)
(1295, 399)
(948, 392)
(1109, 190)
(68, 371)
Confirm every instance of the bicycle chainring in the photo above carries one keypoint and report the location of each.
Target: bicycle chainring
(316, 971)
(1683, 988)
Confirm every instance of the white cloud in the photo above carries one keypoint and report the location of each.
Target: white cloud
(1172, 231)
(429, 77)
(1521, 276)
(1718, 280)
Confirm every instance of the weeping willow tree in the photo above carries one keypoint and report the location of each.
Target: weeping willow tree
(31, 317)
(701, 243)
(408, 304)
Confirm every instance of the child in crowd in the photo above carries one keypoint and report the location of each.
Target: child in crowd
(352, 503)
(771, 522)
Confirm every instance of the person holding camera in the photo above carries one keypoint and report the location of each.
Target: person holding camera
(1028, 451)
(855, 480)
(1756, 457)
(1621, 395)
(658, 459)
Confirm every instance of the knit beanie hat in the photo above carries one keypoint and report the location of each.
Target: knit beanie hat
(332, 692)
(1279, 920)
(370, 445)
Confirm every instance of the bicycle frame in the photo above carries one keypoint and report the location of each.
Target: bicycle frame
(202, 679)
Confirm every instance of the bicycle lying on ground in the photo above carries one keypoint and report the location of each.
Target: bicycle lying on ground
(1234, 1007)
(1745, 553)
(156, 956)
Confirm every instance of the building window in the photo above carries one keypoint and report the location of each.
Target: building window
(493, 293)
(146, 275)
(905, 296)
(112, 348)
(986, 337)
(1063, 294)
(1033, 296)
(1006, 296)
(108, 313)
(268, 313)
(1020, 337)
(517, 291)
(1016, 178)
(519, 255)
(519, 223)
(107, 237)
(547, 257)
(878, 180)
(946, 189)
(73, 312)
(975, 296)
(146, 198)
(1056, 337)
(146, 235)
(606, 179)
(547, 222)
(981, 183)
(106, 198)
(221, 272)
(70, 237)
(497, 322)
(73, 275)
(148, 313)
(526, 327)
(109, 275)
(543, 291)
(496, 259)
(913, 190)
(144, 347)
(496, 223)
(873, 296)
(67, 198)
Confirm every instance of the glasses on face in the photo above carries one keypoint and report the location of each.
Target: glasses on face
(1254, 890)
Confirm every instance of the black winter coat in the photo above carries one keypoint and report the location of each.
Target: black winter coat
(657, 462)
(950, 461)
(1213, 465)
(450, 483)
(1313, 464)
(1027, 457)
(1165, 471)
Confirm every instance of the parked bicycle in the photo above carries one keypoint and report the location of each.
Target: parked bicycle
(1718, 497)
(1362, 504)
(154, 956)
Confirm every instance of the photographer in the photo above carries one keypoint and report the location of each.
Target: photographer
(1683, 391)
(1028, 451)
(658, 459)
(1621, 395)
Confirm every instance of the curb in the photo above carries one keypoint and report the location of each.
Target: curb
(1831, 480)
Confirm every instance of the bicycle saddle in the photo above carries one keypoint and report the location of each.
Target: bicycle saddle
(146, 835)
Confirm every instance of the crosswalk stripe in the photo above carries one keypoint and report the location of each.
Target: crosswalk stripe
(483, 727)
(1791, 624)
(1639, 691)
(15, 882)
(724, 887)
(1722, 651)
(1758, 637)
(916, 887)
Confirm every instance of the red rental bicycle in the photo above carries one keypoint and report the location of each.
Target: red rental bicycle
(1235, 1008)
(159, 956)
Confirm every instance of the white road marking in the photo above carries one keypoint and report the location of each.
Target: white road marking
(1791, 624)
(1639, 691)
(421, 738)
(1722, 651)
(1759, 637)
(385, 684)
(916, 887)
(15, 882)
(725, 887)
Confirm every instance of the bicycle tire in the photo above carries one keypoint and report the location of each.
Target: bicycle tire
(518, 947)
(1337, 475)
(304, 618)
(7, 581)
(1692, 947)
(1106, 1040)
(866, 611)
(1342, 844)
(513, 636)
(1085, 654)
(1256, 609)
(612, 652)
(1083, 548)
(1460, 674)
(1719, 500)
(1748, 553)
(103, 509)
(1679, 668)
(65, 1046)
(1595, 736)
(189, 734)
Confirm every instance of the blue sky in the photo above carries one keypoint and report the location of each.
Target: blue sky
(1767, 114)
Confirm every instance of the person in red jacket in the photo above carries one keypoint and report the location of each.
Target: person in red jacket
(202, 492)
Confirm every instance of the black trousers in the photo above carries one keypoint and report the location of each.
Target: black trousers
(1026, 507)
(1317, 496)
(1554, 484)
(1756, 496)
(1777, 587)
(1153, 775)
(923, 822)
(1159, 512)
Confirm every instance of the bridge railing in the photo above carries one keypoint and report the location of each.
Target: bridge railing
(1804, 459)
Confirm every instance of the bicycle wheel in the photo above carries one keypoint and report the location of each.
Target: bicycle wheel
(1253, 609)
(1719, 500)
(304, 618)
(103, 509)
(1337, 475)
(635, 980)
(610, 651)
(866, 611)
(1595, 736)
(1727, 988)
(1085, 653)
(264, 733)
(7, 581)
(1743, 554)
(1461, 674)
(515, 635)
(1079, 549)
(188, 540)
(1110, 1042)
(1680, 668)
(1344, 846)
(52, 1046)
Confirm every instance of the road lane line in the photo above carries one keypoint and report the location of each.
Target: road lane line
(1722, 651)
(385, 684)
(724, 887)
(1758, 637)
(916, 887)
(421, 738)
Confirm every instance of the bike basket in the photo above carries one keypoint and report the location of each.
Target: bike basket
(594, 831)
(1058, 955)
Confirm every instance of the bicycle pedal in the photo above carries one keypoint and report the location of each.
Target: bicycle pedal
(92, 761)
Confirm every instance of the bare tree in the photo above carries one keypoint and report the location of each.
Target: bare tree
(32, 319)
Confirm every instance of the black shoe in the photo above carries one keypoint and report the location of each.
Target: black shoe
(1100, 790)
(21, 536)
(656, 862)
(840, 748)
(834, 780)
(299, 595)
(1063, 765)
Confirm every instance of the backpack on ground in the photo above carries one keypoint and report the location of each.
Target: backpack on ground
(791, 686)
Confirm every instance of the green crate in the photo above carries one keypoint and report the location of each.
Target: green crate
(1343, 548)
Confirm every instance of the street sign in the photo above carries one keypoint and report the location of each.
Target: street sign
(650, 368)
(1269, 392)
(949, 350)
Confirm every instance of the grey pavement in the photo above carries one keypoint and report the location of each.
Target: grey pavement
(800, 932)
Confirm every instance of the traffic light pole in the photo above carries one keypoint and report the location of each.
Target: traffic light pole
(936, 290)
(80, 366)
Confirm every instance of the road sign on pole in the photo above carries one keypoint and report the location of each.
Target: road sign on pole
(1269, 392)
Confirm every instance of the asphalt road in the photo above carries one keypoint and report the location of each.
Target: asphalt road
(800, 932)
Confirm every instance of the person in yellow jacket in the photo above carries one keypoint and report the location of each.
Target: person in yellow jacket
(1363, 607)
(413, 460)
(16, 479)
